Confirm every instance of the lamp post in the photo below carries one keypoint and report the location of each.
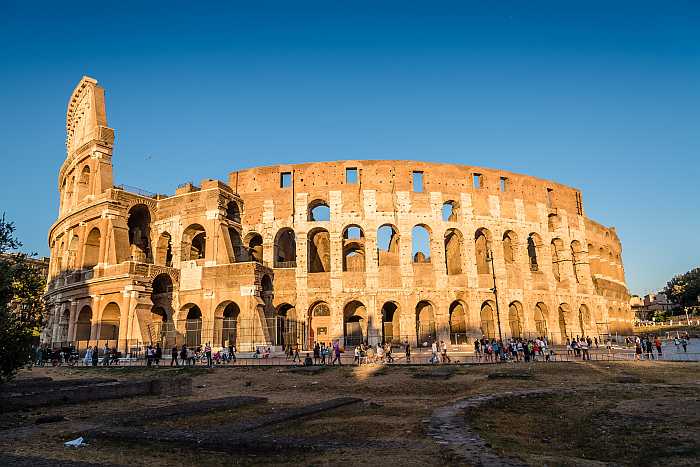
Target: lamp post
(489, 257)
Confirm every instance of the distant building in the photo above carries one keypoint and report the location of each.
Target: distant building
(644, 308)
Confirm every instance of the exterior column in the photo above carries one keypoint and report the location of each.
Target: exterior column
(72, 319)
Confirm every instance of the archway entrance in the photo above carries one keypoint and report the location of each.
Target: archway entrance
(391, 324)
(425, 323)
(355, 320)
(458, 323)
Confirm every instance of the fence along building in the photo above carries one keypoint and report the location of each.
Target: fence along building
(348, 250)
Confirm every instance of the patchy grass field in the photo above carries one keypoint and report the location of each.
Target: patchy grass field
(618, 415)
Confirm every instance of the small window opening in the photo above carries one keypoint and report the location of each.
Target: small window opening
(550, 196)
(351, 176)
(579, 204)
(285, 179)
(418, 182)
(477, 182)
(504, 184)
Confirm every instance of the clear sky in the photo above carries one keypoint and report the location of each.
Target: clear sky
(602, 96)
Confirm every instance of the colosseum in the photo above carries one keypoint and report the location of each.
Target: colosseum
(373, 250)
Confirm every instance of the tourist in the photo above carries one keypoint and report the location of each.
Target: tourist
(434, 356)
(445, 357)
(684, 343)
(149, 355)
(380, 352)
(387, 352)
(296, 357)
(159, 353)
(657, 343)
(569, 350)
(637, 350)
(173, 356)
(95, 356)
(477, 349)
(317, 353)
(407, 350)
(183, 355)
(336, 350)
(307, 360)
(87, 360)
(231, 352)
(584, 350)
(207, 352)
(356, 358)
(595, 341)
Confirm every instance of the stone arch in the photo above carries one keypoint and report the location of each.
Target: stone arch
(515, 319)
(540, 318)
(164, 250)
(108, 328)
(584, 320)
(534, 243)
(228, 314)
(425, 322)
(420, 243)
(194, 243)
(458, 322)
(191, 321)
(319, 251)
(233, 212)
(319, 323)
(73, 252)
(510, 242)
(288, 329)
(285, 248)
(488, 321)
(91, 252)
(387, 245)
(254, 242)
(450, 211)
(239, 252)
(139, 223)
(354, 323)
(83, 183)
(482, 245)
(353, 248)
(83, 324)
(319, 210)
(391, 323)
(553, 222)
(453, 252)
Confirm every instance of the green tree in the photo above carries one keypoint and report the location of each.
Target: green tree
(21, 303)
(684, 289)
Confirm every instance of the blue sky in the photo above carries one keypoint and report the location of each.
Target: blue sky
(603, 96)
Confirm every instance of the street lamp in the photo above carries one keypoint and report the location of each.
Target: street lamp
(489, 258)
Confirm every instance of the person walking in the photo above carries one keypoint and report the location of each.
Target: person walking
(158, 353)
(336, 351)
(232, 352)
(183, 355)
(173, 356)
(317, 353)
(95, 356)
(434, 353)
(657, 344)
(445, 358)
(207, 352)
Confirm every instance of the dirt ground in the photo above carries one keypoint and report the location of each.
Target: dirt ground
(620, 415)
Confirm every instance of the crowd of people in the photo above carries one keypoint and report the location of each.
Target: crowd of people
(515, 349)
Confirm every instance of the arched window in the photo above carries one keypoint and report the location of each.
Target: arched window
(420, 236)
(481, 245)
(584, 320)
(450, 211)
(509, 247)
(533, 242)
(387, 245)
(453, 252)
(238, 251)
(83, 184)
(353, 249)
(285, 249)
(73, 251)
(140, 233)
(319, 211)
(255, 247)
(425, 323)
(319, 251)
(91, 257)
(233, 212)
(194, 242)
(229, 326)
(193, 325)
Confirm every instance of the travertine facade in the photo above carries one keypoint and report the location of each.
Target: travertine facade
(404, 250)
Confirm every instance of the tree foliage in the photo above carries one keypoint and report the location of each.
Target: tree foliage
(684, 289)
(21, 302)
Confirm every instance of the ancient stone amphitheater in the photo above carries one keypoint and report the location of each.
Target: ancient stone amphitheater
(296, 254)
